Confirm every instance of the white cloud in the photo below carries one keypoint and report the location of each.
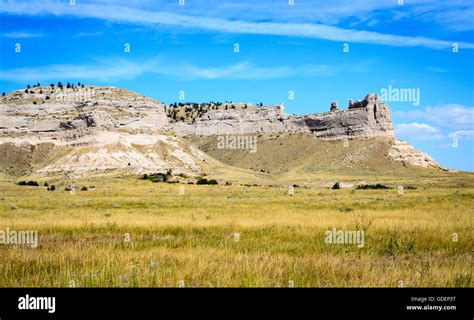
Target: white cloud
(463, 134)
(437, 69)
(449, 116)
(131, 15)
(115, 69)
(418, 131)
(452, 15)
(89, 34)
(410, 128)
(248, 71)
(105, 70)
(242, 70)
(21, 35)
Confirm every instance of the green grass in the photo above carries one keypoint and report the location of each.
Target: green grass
(192, 237)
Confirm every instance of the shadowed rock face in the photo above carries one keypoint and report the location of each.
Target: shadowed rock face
(367, 118)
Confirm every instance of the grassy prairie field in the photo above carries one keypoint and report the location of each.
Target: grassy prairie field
(130, 232)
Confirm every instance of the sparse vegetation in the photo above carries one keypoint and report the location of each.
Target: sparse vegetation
(206, 181)
(372, 186)
(28, 183)
(281, 238)
(188, 236)
(157, 177)
(191, 111)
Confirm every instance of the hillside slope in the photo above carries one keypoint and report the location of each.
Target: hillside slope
(284, 153)
(89, 130)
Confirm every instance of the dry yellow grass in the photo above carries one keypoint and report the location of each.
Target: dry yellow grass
(235, 236)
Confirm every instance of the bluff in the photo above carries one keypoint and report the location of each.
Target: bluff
(367, 118)
(90, 129)
(87, 129)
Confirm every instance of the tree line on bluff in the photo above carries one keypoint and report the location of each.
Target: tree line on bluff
(193, 110)
(60, 85)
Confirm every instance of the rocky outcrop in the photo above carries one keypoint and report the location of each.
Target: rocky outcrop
(89, 130)
(49, 112)
(403, 152)
(108, 128)
(53, 113)
(261, 119)
(368, 118)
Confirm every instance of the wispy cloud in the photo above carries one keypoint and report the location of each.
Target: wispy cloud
(437, 69)
(153, 18)
(21, 35)
(463, 134)
(454, 15)
(418, 131)
(243, 70)
(116, 69)
(449, 116)
(450, 15)
(109, 70)
(89, 34)
(248, 71)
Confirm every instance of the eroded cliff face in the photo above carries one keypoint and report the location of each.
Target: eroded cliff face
(371, 118)
(45, 112)
(90, 129)
(66, 116)
(404, 152)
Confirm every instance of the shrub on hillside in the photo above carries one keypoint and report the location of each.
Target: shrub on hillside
(28, 183)
(205, 181)
(372, 186)
(157, 177)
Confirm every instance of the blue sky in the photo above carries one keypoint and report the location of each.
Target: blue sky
(321, 51)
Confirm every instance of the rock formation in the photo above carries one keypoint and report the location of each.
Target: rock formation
(99, 129)
(403, 152)
(367, 118)
(111, 128)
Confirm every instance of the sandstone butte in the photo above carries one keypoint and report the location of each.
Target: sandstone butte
(107, 128)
